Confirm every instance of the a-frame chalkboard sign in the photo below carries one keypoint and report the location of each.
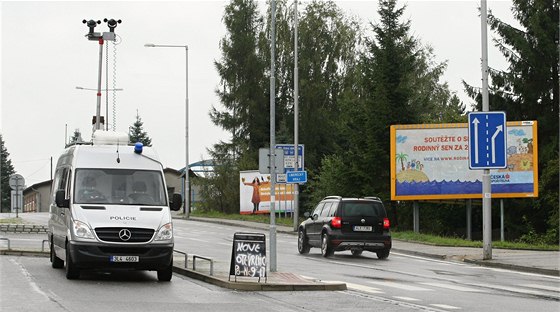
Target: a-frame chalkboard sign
(248, 256)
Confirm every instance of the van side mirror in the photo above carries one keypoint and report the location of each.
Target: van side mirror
(60, 199)
(307, 214)
(176, 202)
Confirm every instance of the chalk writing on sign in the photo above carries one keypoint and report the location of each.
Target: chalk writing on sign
(248, 255)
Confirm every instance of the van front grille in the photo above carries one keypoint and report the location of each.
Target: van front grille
(128, 235)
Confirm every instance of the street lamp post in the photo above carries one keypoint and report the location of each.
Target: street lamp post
(187, 184)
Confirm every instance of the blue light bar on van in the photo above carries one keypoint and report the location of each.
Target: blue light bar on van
(138, 147)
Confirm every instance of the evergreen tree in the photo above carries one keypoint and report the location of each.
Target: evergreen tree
(6, 170)
(243, 89)
(136, 132)
(528, 90)
(397, 83)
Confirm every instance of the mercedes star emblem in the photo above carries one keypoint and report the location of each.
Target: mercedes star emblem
(125, 234)
(363, 221)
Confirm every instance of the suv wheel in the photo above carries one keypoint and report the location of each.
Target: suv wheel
(302, 243)
(383, 254)
(356, 252)
(326, 249)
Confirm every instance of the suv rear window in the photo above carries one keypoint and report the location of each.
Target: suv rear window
(362, 209)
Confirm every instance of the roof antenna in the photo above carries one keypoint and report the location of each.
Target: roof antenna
(118, 155)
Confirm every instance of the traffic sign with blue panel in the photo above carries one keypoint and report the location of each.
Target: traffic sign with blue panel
(487, 140)
(289, 157)
(296, 177)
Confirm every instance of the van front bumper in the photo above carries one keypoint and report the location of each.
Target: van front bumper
(96, 256)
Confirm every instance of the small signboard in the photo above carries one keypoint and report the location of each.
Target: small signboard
(296, 177)
(248, 255)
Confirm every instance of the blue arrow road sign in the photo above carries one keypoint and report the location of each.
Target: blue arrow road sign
(487, 140)
(296, 177)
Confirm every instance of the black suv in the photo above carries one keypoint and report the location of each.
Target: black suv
(354, 224)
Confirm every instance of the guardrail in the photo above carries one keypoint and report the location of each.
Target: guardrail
(6, 239)
(194, 260)
(203, 258)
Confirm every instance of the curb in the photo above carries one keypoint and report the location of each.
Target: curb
(255, 286)
(23, 228)
(513, 267)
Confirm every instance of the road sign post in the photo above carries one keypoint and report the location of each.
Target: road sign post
(17, 183)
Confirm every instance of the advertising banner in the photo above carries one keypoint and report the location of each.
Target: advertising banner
(254, 194)
(431, 161)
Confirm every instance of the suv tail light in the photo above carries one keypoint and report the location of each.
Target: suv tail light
(386, 223)
(336, 222)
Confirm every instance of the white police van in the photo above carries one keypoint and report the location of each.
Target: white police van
(110, 209)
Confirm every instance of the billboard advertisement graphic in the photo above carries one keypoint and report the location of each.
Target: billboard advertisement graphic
(254, 194)
(432, 162)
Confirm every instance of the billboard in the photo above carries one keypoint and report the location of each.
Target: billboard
(431, 161)
(254, 194)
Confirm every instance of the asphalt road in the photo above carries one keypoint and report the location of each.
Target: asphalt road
(400, 283)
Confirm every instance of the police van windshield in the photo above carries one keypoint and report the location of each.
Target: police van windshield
(119, 187)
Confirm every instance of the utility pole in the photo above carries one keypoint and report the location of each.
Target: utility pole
(272, 152)
(296, 117)
(486, 186)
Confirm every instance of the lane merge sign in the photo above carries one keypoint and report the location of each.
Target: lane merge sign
(487, 140)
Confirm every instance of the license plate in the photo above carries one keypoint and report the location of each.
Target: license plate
(124, 259)
(363, 228)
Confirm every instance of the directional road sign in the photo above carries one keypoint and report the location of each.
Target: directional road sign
(296, 177)
(289, 157)
(487, 140)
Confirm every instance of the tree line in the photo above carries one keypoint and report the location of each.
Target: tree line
(353, 87)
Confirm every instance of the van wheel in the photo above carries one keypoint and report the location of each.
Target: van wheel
(326, 249)
(56, 262)
(383, 254)
(165, 274)
(72, 272)
(303, 244)
(356, 252)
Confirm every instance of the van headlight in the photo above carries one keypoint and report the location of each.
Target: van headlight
(165, 232)
(82, 230)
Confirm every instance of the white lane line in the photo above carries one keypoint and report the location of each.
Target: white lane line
(400, 286)
(551, 288)
(452, 287)
(445, 306)
(29, 278)
(406, 298)
(358, 287)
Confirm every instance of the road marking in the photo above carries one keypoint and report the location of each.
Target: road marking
(551, 288)
(445, 306)
(451, 286)
(400, 286)
(29, 278)
(358, 287)
(406, 298)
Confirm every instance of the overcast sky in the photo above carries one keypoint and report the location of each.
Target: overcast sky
(45, 56)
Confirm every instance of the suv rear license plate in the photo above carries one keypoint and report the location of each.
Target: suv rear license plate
(124, 259)
(363, 228)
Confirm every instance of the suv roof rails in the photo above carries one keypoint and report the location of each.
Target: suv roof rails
(333, 197)
(372, 197)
